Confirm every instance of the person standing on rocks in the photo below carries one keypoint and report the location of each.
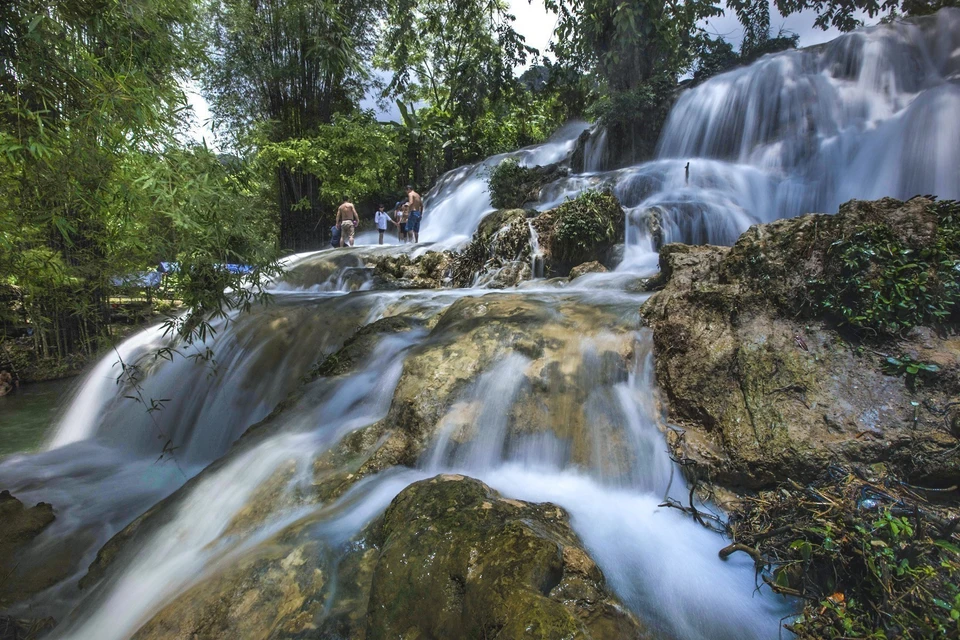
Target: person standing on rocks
(381, 217)
(415, 202)
(347, 220)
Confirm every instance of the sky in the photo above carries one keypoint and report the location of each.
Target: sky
(536, 24)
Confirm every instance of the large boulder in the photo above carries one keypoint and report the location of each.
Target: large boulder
(766, 384)
(457, 560)
(450, 558)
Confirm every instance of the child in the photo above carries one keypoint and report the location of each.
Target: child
(404, 216)
(381, 217)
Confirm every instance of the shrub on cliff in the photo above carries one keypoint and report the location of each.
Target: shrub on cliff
(874, 280)
(511, 185)
(586, 226)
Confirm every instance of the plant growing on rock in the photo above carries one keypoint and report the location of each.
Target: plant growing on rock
(511, 185)
(586, 226)
(876, 282)
(870, 558)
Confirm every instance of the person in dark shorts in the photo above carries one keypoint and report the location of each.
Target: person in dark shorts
(381, 217)
(403, 218)
(415, 202)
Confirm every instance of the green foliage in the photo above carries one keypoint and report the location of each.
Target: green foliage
(637, 50)
(459, 59)
(586, 226)
(873, 281)
(352, 156)
(458, 55)
(839, 14)
(636, 137)
(869, 559)
(912, 369)
(716, 55)
(279, 72)
(511, 185)
(908, 576)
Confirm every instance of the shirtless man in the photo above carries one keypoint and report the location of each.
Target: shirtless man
(347, 220)
(416, 213)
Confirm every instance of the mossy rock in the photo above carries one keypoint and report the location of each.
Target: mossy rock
(512, 185)
(22, 576)
(457, 560)
(582, 230)
(765, 388)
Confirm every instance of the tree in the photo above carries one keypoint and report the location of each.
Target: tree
(459, 58)
(93, 182)
(279, 71)
(637, 49)
(841, 14)
(81, 84)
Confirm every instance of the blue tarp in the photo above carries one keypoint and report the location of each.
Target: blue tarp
(142, 280)
(173, 267)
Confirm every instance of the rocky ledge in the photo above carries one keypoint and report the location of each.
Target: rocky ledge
(814, 340)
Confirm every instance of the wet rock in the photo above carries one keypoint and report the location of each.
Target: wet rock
(503, 237)
(765, 391)
(428, 271)
(24, 629)
(6, 383)
(19, 526)
(473, 335)
(450, 558)
(585, 268)
(275, 592)
(457, 560)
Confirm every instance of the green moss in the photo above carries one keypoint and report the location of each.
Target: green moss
(586, 226)
(459, 561)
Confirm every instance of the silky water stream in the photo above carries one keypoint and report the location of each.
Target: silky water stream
(561, 406)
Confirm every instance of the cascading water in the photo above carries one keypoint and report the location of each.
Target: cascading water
(461, 199)
(871, 114)
(570, 416)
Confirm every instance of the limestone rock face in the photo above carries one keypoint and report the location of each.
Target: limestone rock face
(767, 390)
(19, 525)
(457, 560)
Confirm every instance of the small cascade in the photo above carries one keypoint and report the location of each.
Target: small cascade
(595, 151)
(536, 255)
(460, 199)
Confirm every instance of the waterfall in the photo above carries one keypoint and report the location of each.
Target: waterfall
(460, 199)
(594, 152)
(536, 253)
(873, 113)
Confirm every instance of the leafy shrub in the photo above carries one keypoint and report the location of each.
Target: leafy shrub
(586, 226)
(512, 185)
(874, 281)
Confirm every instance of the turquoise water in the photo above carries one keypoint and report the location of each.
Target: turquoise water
(27, 414)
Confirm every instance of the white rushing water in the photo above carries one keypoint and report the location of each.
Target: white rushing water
(871, 114)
